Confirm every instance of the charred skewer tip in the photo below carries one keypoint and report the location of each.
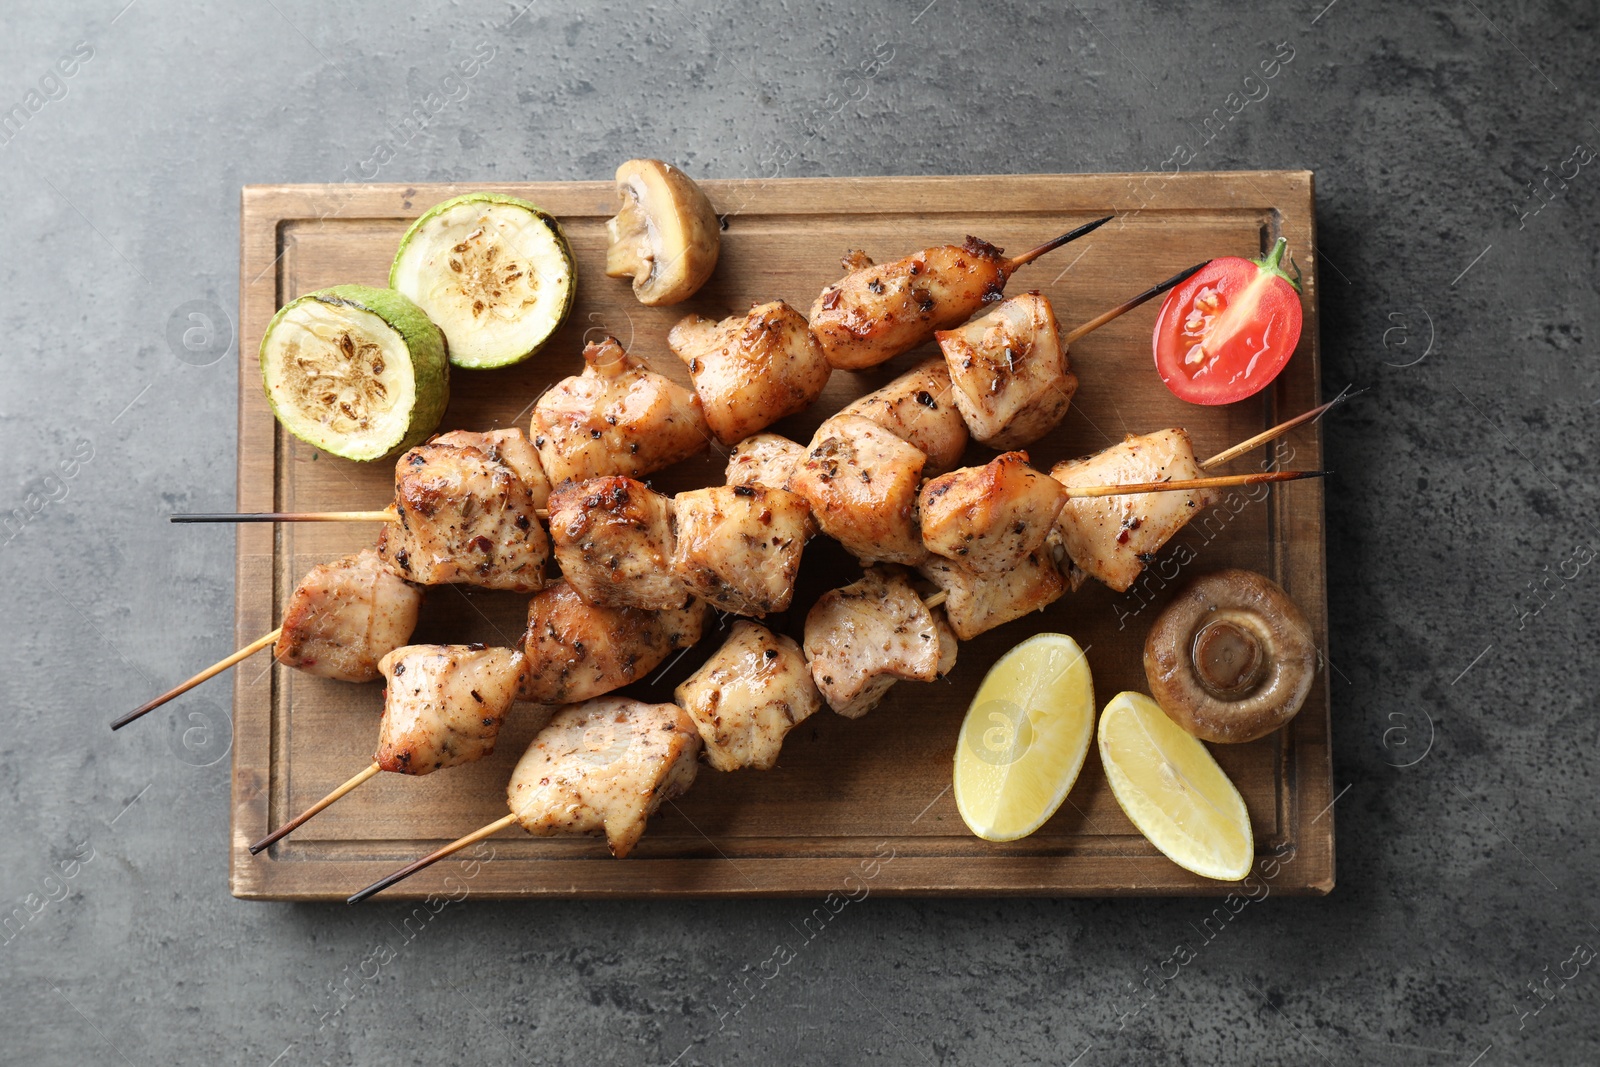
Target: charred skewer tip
(300, 820)
(1050, 246)
(210, 672)
(433, 857)
(1128, 305)
(285, 516)
(1277, 431)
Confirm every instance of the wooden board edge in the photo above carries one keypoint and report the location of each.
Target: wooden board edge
(260, 878)
(255, 550)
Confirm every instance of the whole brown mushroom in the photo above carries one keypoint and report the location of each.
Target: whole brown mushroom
(666, 236)
(1231, 658)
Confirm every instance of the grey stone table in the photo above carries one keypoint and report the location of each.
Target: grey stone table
(1457, 190)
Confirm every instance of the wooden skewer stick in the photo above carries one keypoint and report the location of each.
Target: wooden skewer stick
(1214, 482)
(1012, 264)
(935, 599)
(433, 857)
(210, 672)
(1267, 435)
(287, 516)
(299, 516)
(1122, 309)
(300, 820)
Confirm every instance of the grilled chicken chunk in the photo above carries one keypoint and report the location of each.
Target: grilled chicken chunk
(738, 546)
(863, 638)
(604, 766)
(748, 695)
(751, 370)
(861, 482)
(464, 516)
(1009, 372)
(444, 704)
(511, 447)
(617, 417)
(990, 518)
(345, 616)
(613, 541)
(876, 312)
(976, 602)
(918, 408)
(576, 652)
(765, 459)
(1112, 537)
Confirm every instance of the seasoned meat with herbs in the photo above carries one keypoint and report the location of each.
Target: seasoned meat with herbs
(764, 459)
(976, 602)
(866, 636)
(443, 705)
(613, 540)
(577, 651)
(861, 482)
(878, 311)
(1112, 537)
(462, 515)
(345, 616)
(990, 518)
(748, 696)
(617, 417)
(738, 547)
(918, 407)
(1009, 372)
(751, 370)
(511, 447)
(604, 766)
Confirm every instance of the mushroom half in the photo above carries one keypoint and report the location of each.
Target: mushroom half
(666, 235)
(1231, 658)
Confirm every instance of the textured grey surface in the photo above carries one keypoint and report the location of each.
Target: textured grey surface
(1465, 499)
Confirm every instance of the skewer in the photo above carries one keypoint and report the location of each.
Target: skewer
(298, 516)
(1214, 482)
(1013, 263)
(287, 516)
(215, 669)
(1087, 490)
(1267, 435)
(433, 857)
(1123, 308)
(299, 820)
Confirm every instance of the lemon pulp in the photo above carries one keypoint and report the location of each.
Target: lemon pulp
(1172, 789)
(1025, 738)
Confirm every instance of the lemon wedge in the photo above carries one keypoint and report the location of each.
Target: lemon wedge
(1173, 791)
(1025, 737)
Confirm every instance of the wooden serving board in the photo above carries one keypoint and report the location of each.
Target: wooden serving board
(852, 803)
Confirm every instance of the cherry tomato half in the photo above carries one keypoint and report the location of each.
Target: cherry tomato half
(1226, 332)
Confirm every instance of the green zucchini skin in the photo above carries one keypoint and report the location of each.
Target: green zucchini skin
(424, 342)
(564, 251)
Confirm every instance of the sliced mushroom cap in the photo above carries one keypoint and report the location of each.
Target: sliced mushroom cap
(666, 235)
(1231, 658)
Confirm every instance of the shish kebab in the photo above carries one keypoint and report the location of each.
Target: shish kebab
(607, 766)
(859, 641)
(619, 418)
(611, 536)
(312, 635)
(629, 571)
(1033, 390)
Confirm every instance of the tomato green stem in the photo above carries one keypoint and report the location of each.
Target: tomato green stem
(1271, 263)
